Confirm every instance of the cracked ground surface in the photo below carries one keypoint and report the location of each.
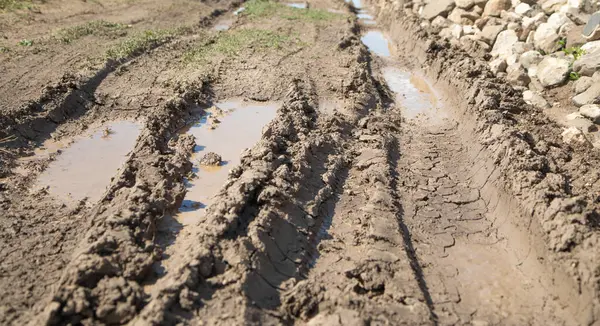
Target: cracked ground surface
(357, 205)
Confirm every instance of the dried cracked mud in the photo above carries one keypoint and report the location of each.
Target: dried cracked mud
(362, 172)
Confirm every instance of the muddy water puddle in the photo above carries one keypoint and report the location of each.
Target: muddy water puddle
(298, 5)
(377, 43)
(415, 95)
(223, 25)
(227, 129)
(84, 168)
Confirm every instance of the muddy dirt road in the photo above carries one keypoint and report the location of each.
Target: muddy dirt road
(268, 163)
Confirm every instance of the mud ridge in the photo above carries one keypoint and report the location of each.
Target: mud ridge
(101, 284)
(552, 183)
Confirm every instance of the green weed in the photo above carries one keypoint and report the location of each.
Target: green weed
(574, 75)
(4, 49)
(230, 43)
(577, 52)
(25, 42)
(266, 8)
(139, 43)
(97, 27)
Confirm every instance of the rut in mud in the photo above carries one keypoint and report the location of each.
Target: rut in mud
(292, 163)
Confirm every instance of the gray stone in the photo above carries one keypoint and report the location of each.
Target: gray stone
(522, 8)
(535, 99)
(573, 135)
(582, 84)
(558, 19)
(461, 16)
(590, 96)
(490, 32)
(574, 37)
(510, 16)
(530, 58)
(504, 43)
(437, 8)
(465, 4)
(550, 6)
(546, 38)
(494, 7)
(553, 71)
(580, 122)
(498, 65)
(440, 22)
(589, 63)
(591, 111)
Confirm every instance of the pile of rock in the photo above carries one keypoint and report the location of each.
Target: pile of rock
(535, 45)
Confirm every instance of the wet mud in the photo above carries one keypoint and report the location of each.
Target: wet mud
(348, 182)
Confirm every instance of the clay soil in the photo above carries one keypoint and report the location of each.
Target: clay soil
(349, 210)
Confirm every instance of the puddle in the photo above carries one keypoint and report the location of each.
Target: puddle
(299, 5)
(356, 3)
(223, 25)
(415, 95)
(85, 168)
(365, 16)
(239, 10)
(377, 43)
(240, 127)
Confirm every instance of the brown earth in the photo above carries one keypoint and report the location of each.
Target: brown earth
(349, 210)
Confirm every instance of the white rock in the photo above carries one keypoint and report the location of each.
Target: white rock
(530, 58)
(575, 3)
(590, 96)
(558, 19)
(464, 4)
(590, 47)
(591, 111)
(596, 76)
(553, 71)
(573, 135)
(504, 43)
(498, 65)
(535, 99)
(457, 31)
(546, 38)
(469, 30)
(551, 6)
(531, 22)
(440, 22)
(532, 71)
(582, 84)
(495, 7)
(522, 8)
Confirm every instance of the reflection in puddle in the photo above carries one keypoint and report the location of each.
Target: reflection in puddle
(414, 93)
(239, 126)
(377, 43)
(85, 168)
(223, 25)
(299, 5)
(364, 16)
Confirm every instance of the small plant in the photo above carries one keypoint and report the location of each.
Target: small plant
(266, 8)
(562, 43)
(576, 52)
(574, 75)
(140, 42)
(25, 42)
(230, 43)
(96, 27)
(4, 49)
(107, 132)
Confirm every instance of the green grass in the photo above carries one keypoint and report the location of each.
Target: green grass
(15, 4)
(231, 43)
(139, 43)
(97, 27)
(4, 49)
(265, 8)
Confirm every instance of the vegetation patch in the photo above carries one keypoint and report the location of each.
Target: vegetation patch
(97, 27)
(139, 43)
(25, 42)
(15, 4)
(231, 43)
(265, 8)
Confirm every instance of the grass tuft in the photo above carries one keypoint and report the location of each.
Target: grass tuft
(231, 43)
(139, 43)
(15, 4)
(96, 27)
(266, 8)
(25, 42)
